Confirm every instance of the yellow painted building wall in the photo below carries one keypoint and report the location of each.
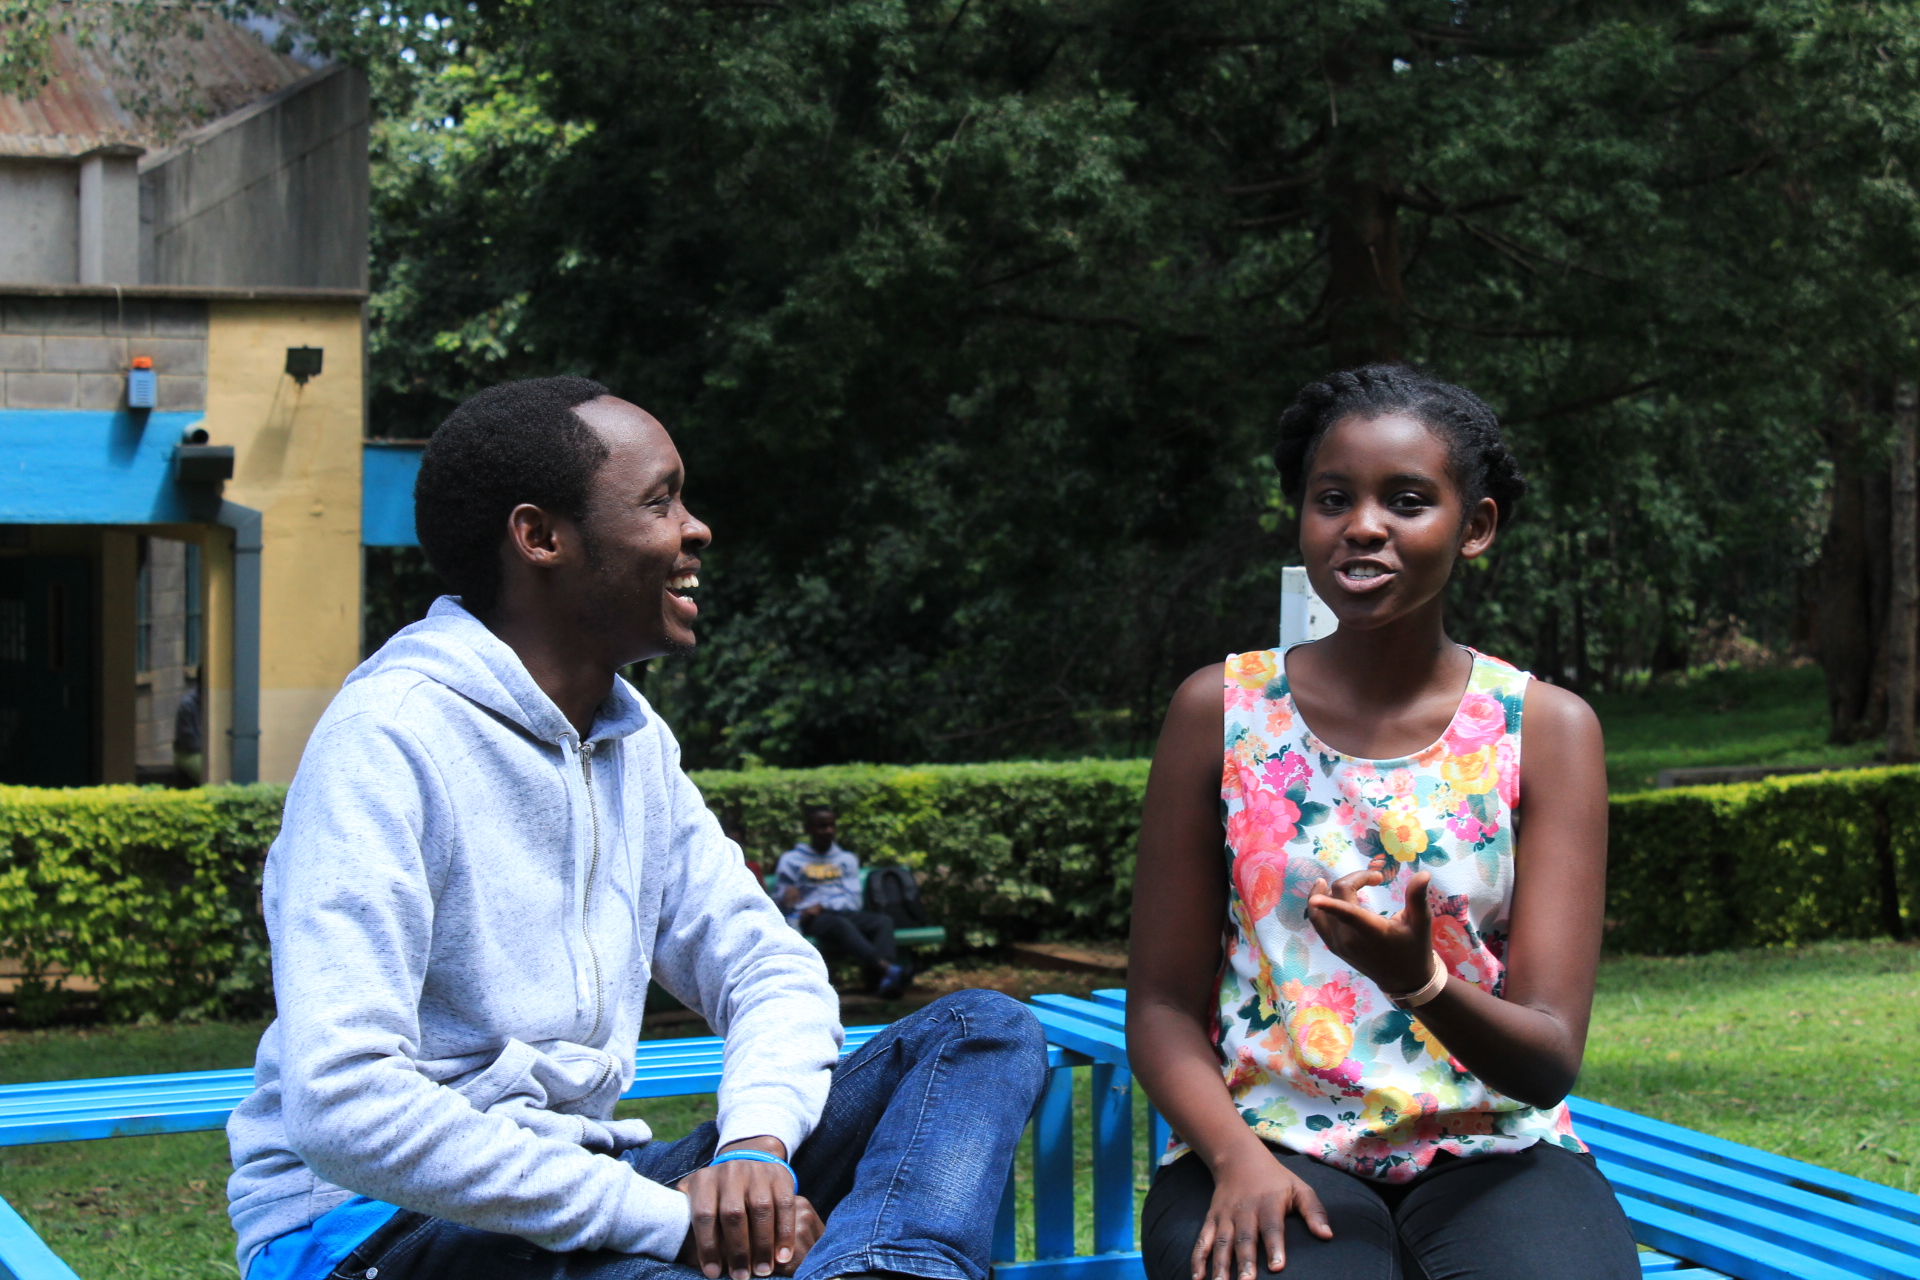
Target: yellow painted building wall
(297, 461)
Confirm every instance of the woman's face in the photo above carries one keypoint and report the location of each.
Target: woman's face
(1382, 522)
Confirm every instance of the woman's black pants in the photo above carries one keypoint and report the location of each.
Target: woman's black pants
(1522, 1215)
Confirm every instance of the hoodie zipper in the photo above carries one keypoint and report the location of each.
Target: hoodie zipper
(586, 899)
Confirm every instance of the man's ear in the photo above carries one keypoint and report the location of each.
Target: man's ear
(538, 537)
(1477, 534)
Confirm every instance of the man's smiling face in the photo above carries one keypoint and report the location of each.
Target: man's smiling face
(642, 543)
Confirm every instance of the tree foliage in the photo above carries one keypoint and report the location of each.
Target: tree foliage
(971, 317)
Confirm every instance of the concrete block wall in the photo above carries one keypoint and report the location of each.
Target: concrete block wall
(74, 353)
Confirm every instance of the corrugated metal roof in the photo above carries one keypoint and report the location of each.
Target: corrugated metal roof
(142, 94)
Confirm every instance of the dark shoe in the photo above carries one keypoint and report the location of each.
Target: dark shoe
(894, 982)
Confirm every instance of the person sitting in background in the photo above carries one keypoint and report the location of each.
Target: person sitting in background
(818, 886)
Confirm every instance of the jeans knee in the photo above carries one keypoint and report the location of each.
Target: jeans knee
(995, 1016)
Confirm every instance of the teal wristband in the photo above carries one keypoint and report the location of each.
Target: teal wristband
(759, 1157)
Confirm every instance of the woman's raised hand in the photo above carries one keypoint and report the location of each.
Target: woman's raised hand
(1393, 950)
(1251, 1200)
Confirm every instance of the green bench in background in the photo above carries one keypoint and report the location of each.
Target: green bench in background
(930, 937)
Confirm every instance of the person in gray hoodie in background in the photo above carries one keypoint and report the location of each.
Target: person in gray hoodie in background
(489, 849)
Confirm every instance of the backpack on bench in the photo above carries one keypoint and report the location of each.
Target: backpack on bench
(895, 894)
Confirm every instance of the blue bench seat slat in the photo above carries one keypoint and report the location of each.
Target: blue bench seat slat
(1104, 1015)
(1593, 1116)
(1115, 996)
(1102, 1044)
(1615, 1149)
(1732, 1251)
(1758, 1224)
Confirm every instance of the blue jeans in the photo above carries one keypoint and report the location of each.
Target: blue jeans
(905, 1167)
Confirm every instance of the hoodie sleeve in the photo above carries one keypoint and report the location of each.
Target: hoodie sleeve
(349, 897)
(724, 949)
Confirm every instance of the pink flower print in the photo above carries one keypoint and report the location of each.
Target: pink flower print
(1337, 996)
(1480, 722)
(1266, 821)
(1260, 879)
(1241, 699)
(1400, 783)
(1466, 827)
(1451, 941)
(1506, 764)
(1284, 772)
(1352, 819)
(1373, 789)
(1279, 720)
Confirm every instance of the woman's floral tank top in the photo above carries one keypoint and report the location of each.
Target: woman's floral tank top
(1317, 1058)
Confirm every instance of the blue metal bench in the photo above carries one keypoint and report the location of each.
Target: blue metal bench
(1704, 1206)
(1731, 1210)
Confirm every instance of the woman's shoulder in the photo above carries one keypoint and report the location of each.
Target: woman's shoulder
(1554, 710)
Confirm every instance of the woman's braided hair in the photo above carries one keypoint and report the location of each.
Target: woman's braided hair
(1476, 453)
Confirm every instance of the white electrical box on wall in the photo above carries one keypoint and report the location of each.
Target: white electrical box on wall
(1303, 615)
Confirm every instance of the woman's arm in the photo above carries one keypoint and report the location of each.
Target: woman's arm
(1528, 1043)
(1173, 962)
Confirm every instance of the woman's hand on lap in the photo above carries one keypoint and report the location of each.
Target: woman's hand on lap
(1395, 951)
(1251, 1201)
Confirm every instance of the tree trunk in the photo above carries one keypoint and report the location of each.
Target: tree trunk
(1903, 610)
(1853, 573)
(1366, 300)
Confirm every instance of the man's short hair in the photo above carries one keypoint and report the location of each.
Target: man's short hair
(514, 443)
(813, 807)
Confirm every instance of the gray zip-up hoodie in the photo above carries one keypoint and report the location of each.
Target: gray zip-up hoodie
(466, 903)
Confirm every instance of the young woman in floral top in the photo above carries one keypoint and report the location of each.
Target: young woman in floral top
(1362, 1028)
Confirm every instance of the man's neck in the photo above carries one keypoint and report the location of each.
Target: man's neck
(822, 849)
(577, 683)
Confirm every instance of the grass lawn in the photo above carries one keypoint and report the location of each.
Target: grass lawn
(1774, 715)
(1807, 1051)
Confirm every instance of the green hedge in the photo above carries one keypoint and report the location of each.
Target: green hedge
(1784, 860)
(154, 894)
(151, 894)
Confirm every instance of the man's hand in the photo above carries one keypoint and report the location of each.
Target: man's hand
(1392, 950)
(810, 912)
(789, 896)
(747, 1221)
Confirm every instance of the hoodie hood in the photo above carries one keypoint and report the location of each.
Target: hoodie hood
(451, 647)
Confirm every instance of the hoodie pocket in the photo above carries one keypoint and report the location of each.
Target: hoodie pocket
(559, 1090)
(558, 1076)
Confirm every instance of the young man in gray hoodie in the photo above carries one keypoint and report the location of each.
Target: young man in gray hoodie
(488, 851)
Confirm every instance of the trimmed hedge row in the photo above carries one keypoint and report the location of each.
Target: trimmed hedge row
(153, 895)
(1783, 860)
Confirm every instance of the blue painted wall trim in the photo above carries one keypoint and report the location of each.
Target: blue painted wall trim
(387, 472)
(75, 466)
